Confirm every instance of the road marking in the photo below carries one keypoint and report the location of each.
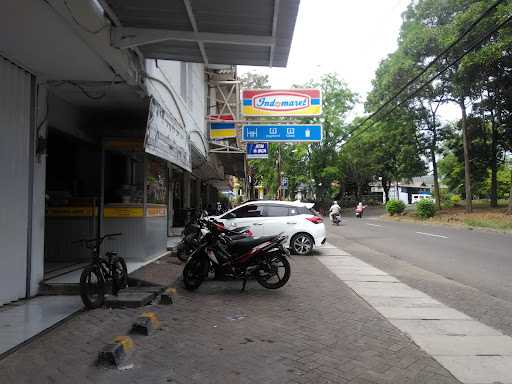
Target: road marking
(431, 234)
(473, 352)
(374, 225)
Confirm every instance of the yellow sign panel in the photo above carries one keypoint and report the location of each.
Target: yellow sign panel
(222, 127)
(132, 145)
(156, 211)
(216, 134)
(123, 212)
(69, 211)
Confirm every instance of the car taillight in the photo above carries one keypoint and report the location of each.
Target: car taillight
(315, 219)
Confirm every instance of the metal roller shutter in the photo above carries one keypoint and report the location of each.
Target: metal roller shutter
(15, 147)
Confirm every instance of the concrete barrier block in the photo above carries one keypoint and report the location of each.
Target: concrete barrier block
(115, 353)
(168, 296)
(146, 323)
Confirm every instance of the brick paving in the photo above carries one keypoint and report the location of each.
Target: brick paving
(314, 330)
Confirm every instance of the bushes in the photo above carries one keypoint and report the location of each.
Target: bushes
(455, 199)
(447, 203)
(395, 207)
(425, 208)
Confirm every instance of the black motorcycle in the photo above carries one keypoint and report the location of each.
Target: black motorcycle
(263, 259)
(192, 236)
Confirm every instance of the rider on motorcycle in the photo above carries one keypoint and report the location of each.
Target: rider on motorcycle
(360, 209)
(334, 210)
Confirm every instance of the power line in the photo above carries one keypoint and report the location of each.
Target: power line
(443, 53)
(451, 64)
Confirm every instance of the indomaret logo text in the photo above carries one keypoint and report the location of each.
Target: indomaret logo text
(281, 101)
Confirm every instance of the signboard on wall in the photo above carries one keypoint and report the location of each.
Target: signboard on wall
(221, 127)
(292, 102)
(166, 137)
(257, 150)
(304, 133)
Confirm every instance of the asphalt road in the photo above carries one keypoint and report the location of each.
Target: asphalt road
(478, 259)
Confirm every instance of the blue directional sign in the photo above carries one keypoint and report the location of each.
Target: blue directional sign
(257, 150)
(282, 133)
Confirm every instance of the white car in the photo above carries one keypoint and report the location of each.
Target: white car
(304, 228)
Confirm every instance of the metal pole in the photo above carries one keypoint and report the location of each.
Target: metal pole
(279, 197)
(30, 192)
(102, 193)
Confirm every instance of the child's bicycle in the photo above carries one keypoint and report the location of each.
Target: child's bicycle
(104, 272)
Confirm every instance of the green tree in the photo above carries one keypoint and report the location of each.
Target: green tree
(478, 135)
(252, 80)
(323, 157)
(481, 78)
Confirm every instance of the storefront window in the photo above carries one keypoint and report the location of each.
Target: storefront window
(124, 177)
(156, 181)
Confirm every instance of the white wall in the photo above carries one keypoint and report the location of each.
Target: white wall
(67, 118)
(401, 195)
(187, 83)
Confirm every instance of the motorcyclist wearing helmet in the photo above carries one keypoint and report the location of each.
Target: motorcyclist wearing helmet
(334, 210)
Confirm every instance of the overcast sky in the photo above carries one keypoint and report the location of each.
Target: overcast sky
(349, 37)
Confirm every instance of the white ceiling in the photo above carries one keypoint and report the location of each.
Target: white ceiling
(35, 36)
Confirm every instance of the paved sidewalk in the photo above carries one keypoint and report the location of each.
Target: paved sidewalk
(472, 351)
(314, 330)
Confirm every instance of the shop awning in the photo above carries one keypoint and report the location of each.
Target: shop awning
(257, 32)
(233, 159)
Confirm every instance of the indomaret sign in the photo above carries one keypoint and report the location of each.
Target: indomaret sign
(293, 102)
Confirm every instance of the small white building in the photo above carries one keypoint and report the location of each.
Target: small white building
(408, 191)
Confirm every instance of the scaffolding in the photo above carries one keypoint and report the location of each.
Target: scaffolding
(224, 99)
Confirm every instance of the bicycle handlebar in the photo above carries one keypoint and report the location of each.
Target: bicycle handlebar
(88, 241)
(113, 234)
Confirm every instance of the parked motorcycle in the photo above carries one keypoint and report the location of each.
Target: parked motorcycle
(192, 234)
(263, 258)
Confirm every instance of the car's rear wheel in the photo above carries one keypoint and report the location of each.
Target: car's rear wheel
(301, 244)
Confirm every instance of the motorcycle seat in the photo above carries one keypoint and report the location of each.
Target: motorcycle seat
(248, 243)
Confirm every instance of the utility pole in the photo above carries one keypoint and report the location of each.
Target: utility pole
(279, 173)
(467, 169)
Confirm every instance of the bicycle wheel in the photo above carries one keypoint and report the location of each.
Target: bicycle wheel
(119, 274)
(92, 287)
